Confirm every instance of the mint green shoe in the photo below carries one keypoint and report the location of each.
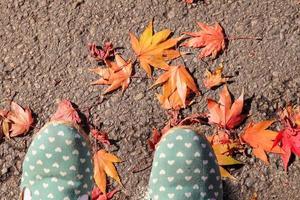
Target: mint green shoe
(185, 168)
(58, 164)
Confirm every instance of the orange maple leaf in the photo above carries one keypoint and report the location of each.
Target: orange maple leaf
(154, 50)
(21, 119)
(210, 37)
(177, 85)
(224, 113)
(260, 139)
(104, 165)
(66, 112)
(117, 74)
(215, 78)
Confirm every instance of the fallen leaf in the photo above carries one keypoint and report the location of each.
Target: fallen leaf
(101, 53)
(4, 126)
(178, 84)
(100, 136)
(189, 1)
(154, 49)
(289, 136)
(104, 165)
(215, 78)
(117, 74)
(223, 152)
(210, 37)
(66, 112)
(219, 137)
(98, 195)
(20, 119)
(156, 136)
(260, 139)
(225, 113)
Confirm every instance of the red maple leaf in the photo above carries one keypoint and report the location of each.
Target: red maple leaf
(98, 195)
(66, 112)
(100, 136)
(101, 53)
(289, 136)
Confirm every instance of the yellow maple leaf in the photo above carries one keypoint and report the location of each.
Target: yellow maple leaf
(154, 49)
(104, 165)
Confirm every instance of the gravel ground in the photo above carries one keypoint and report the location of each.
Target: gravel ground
(44, 58)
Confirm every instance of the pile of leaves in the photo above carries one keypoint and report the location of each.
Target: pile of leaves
(178, 87)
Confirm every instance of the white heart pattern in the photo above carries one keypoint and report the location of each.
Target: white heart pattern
(82, 160)
(204, 178)
(203, 194)
(42, 147)
(162, 172)
(197, 171)
(170, 179)
(178, 187)
(188, 178)
(55, 165)
(79, 176)
(63, 173)
(154, 180)
(210, 187)
(212, 171)
(38, 177)
(179, 137)
(45, 185)
(179, 154)
(162, 188)
(216, 194)
(73, 168)
(162, 155)
(39, 162)
(171, 195)
(68, 142)
(188, 162)
(179, 171)
(205, 162)
(50, 196)
(171, 162)
(188, 194)
(46, 170)
(60, 188)
(196, 138)
(31, 167)
(36, 192)
(58, 149)
(54, 179)
(71, 183)
(203, 145)
(170, 145)
(48, 155)
(33, 152)
(61, 133)
(196, 187)
(66, 157)
(31, 182)
(75, 152)
(51, 139)
(188, 145)
(197, 154)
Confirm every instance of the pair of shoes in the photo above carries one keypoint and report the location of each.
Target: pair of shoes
(58, 165)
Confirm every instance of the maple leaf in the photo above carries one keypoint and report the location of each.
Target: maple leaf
(222, 152)
(104, 164)
(225, 113)
(21, 119)
(215, 78)
(260, 139)
(117, 74)
(66, 112)
(289, 135)
(154, 49)
(177, 85)
(101, 54)
(210, 37)
(98, 195)
(100, 136)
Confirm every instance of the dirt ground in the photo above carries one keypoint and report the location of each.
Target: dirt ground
(44, 58)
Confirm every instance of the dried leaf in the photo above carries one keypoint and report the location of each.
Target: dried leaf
(289, 136)
(66, 112)
(215, 78)
(178, 84)
(154, 49)
(101, 53)
(117, 74)
(210, 37)
(104, 165)
(224, 113)
(156, 136)
(100, 136)
(222, 152)
(260, 139)
(98, 195)
(21, 119)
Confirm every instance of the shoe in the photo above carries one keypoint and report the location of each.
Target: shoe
(58, 164)
(184, 167)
